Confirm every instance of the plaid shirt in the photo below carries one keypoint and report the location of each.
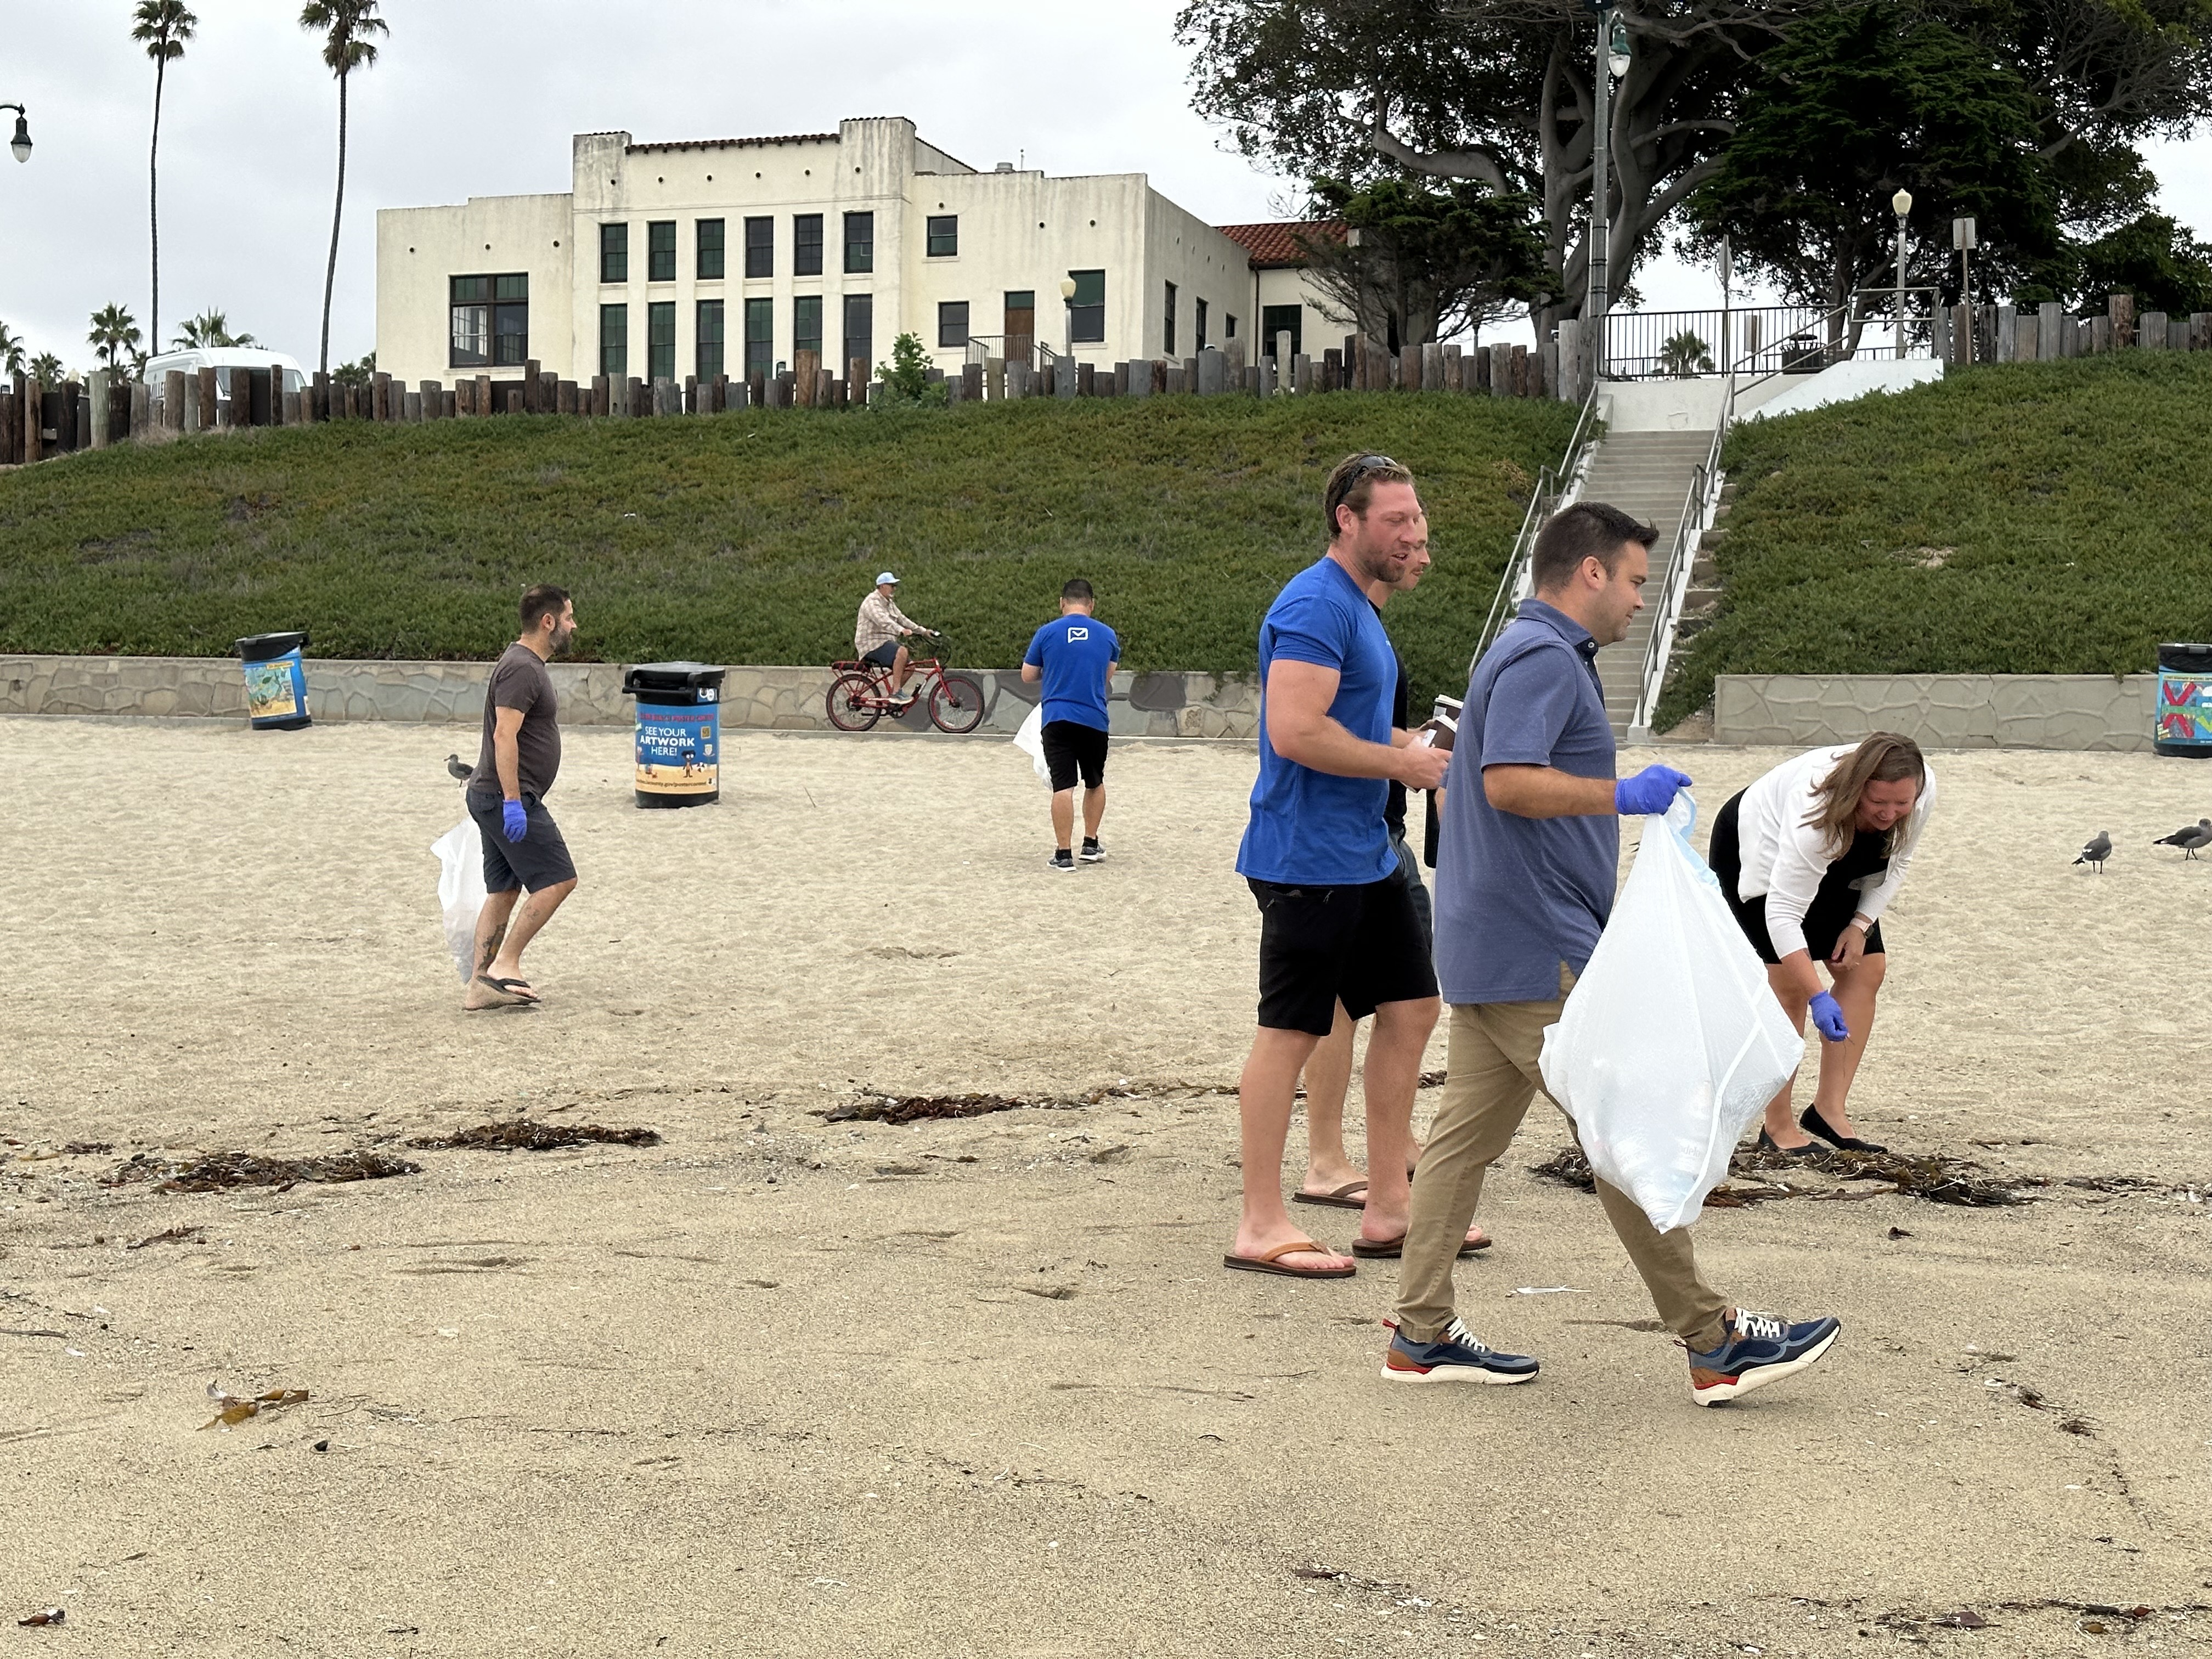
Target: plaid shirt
(880, 622)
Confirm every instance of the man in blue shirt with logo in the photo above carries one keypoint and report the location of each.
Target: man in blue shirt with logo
(1336, 922)
(1525, 876)
(1075, 657)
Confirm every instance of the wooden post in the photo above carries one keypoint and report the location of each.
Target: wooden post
(564, 396)
(1517, 385)
(2104, 331)
(480, 400)
(322, 388)
(172, 401)
(96, 395)
(530, 371)
(1332, 368)
(2047, 319)
(207, 399)
(34, 422)
(2150, 330)
(2028, 338)
(141, 412)
(971, 382)
(2121, 311)
(805, 364)
(1412, 366)
(2200, 330)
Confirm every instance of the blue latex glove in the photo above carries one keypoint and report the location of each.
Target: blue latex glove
(1829, 1017)
(513, 822)
(1651, 791)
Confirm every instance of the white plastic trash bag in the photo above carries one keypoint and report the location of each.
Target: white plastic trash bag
(461, 890)
(1031, 741)
(1671, 1042)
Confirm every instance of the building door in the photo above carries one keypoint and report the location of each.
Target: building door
(1279, 319)
(1021, 325)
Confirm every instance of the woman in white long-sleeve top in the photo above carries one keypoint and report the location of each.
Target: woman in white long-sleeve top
(1809, 857)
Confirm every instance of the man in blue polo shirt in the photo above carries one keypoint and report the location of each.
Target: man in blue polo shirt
(1525, 877)
(1336, 922)
(1075, 657)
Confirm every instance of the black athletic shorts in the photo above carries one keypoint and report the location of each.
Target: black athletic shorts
(538, 861)
(884, 655)
(1070, 746)
(1363, 946)
(1834, 902)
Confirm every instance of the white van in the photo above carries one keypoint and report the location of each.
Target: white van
(222, 359)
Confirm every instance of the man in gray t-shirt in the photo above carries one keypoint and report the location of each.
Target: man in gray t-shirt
(516, 764)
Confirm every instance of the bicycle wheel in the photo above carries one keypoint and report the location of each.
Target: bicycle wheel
(848, 706)
(955, 703)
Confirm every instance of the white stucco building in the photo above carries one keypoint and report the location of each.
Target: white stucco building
(727, 256)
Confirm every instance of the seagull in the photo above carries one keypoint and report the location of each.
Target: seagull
(2097, 850)
(2188, 838)
(461, 773)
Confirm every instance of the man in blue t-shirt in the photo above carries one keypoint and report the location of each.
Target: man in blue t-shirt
(1075, 657)
(1336, 923)
(1525, 874)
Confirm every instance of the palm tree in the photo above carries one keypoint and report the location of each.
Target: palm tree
(11, 350)
(209, 328)
(347, 25)
(47, 369)
(164, 26)
(114, 331)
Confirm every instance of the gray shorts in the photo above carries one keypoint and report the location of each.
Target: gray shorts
(540, 860)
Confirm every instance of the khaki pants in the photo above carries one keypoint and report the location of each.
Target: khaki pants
(1491, 1076)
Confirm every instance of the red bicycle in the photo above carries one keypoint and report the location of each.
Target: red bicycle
(861, 694)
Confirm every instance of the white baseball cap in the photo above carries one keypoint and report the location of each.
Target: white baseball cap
(887, 577)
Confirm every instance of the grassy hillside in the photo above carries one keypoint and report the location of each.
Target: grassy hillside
(2037, 518)
(752, 537)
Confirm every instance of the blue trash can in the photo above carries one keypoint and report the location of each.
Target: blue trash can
(2182, 725)
(679, 732)
(275, 680)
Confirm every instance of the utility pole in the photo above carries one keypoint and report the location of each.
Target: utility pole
(1962, 238)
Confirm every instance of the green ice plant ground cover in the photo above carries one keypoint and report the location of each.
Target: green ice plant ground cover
(751, 538)
(2030, 518)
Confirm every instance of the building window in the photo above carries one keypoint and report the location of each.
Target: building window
(1168, 338)
(952, 324)
(805, 325)
(660, 250)
(1086, 314)
(860, 242)
(1198, 325)
(490, 320)
(1281, 319)
(708, 234)
(660, 340)
(760, 337)
(613, 341)
(760, 247)
(614, 254)
(1228, 324)
(710, 339)
(806, 245)
(944, 236)
(859, 333)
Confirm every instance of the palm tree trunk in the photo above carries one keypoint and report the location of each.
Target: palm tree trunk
(154, 204)
(337, 216)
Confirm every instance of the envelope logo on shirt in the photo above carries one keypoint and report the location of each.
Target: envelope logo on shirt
(1075, 634)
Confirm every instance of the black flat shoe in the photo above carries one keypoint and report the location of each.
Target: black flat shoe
(1813, 1124)
(1766, 1145)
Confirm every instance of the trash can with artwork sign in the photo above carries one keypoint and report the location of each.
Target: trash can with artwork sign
(679, 732)
(275, 680)
(2183, 720)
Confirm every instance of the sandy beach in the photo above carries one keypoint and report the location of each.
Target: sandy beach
(786, 1386)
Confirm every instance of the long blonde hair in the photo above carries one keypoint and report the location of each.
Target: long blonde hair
(1885, 758)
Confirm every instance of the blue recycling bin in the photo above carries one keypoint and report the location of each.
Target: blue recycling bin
(679, 732)
(275, 680)
(2183, 719)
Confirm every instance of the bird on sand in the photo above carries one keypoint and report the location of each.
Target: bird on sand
(461, 771)
(2098, 849)
(2188, 838)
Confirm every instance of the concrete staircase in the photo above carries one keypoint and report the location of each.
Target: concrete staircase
(1649, 476)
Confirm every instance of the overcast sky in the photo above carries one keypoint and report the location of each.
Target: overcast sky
(472, 97)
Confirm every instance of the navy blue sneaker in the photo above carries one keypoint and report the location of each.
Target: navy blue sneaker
(1759, 1349)
(1457, 1358)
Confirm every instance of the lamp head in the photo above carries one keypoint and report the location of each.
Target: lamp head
(20, 144)
(1067, 288)
(1616, 50)
(1902, 202)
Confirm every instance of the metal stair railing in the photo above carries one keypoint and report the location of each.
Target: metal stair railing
(1553, 486)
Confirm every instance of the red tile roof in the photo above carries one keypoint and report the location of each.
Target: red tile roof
(1275, 245)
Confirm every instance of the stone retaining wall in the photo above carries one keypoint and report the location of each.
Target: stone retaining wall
(791, 699)
(1938, 711)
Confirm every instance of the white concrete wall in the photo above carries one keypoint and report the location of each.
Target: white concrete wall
(1320, 328)
(1204, 265)
(418, 249)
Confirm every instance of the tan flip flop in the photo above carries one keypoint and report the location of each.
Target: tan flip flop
(1272, 1262)
(1340, 1199)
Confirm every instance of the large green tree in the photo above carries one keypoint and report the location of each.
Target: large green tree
(163, 26)
(1428, 261)
(349, 29)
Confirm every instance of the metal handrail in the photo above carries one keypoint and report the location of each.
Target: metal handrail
(1551, 485)
(1682, 558)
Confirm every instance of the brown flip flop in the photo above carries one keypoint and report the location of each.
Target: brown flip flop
(1271, 1262)
(1341, 1199)
(1390, 1250)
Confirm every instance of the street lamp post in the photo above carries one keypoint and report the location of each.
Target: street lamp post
(20, 143)
(1901, 204)
(1612, 64)
(1068, 310)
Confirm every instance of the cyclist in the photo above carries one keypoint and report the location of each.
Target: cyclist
(876, 633)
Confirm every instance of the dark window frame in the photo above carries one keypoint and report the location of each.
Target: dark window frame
(660, 250)
(941, 232)
(1296, 330)
(800, 340)
(660, 340)
(614, 254)
(948, 326)
(709, 247)
(709, 337)
(759, 343)
(1198, 325)
(1167, 332)
(848, 337)
(1086, 312)
(614, 344)
(859, 251)
(807, 244)
(760, 246)
(500, 302)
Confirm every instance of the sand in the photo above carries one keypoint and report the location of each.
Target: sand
(781, 1386)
